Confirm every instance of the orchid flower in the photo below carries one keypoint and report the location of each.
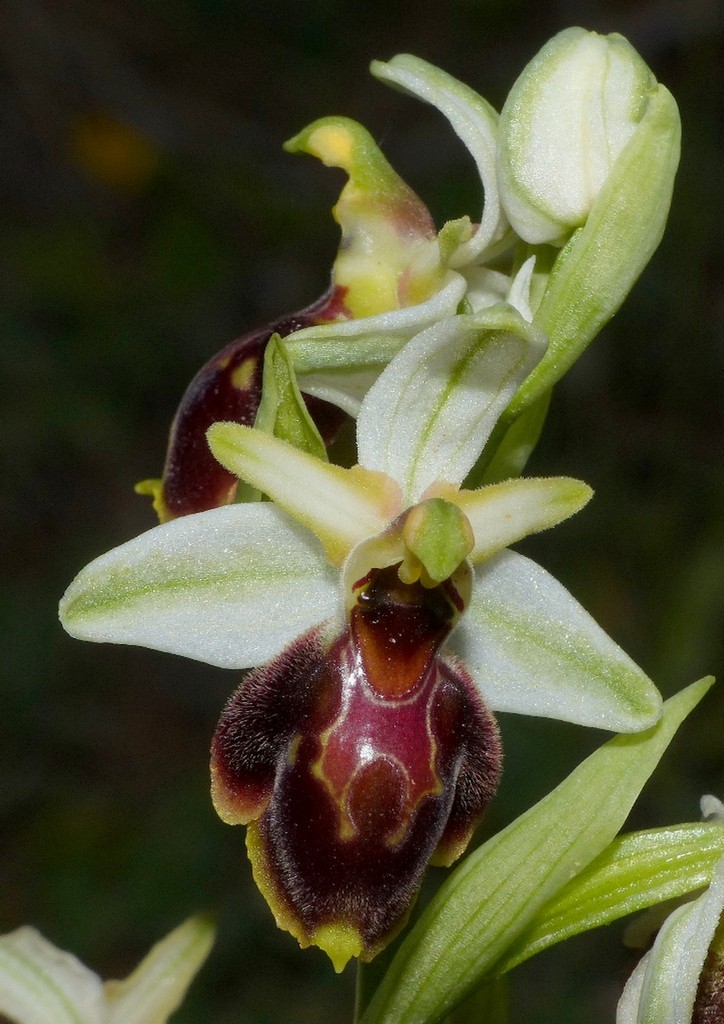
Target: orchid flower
(395, 275)
(40, 984)
(680, 980)
(388, 616)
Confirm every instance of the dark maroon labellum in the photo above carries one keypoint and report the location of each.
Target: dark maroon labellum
(228, 388)
(356, 764)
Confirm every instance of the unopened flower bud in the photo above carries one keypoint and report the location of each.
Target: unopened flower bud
(564, 124)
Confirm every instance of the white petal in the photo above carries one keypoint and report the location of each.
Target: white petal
(40, 984)
(501, 514)
(430, 413)
(712, 809)
(343, 389)
(159, 983)
(340, 506)
(671, 978)
(230, 587)
(476, 124)
(368, 343)
(534, 650)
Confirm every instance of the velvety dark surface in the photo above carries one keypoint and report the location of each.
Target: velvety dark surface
(149, 216)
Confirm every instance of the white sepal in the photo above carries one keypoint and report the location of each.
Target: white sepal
(369, 342)
(476, 124)
(533, 650)
(230, 587)
(431, 411)
(41, 984)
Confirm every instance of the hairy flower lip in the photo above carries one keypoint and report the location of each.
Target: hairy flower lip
(356, 759)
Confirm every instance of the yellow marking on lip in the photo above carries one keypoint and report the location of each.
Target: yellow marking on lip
(243, 375)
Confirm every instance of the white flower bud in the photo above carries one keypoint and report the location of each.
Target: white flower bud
(565, 122)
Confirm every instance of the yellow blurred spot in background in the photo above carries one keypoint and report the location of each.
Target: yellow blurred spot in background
(112, 152)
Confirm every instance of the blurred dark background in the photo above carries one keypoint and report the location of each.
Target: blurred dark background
(149, 215)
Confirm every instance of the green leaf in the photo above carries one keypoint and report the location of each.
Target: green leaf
(495, 894)
(282, 411)
(636, 871)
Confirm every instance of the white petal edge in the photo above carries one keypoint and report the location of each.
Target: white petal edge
(474, 121)
(231, 587)
(370, 341)
(628, 1005)
(157, 986)
(532, 649)
(41, 984)
(345, 390)
(429, 414)
(665, 991)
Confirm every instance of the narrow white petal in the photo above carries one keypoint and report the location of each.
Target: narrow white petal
(532, 649)
(501, 514)
(476, 124)
(368, 343)
(40, 984)
(230, 587)
(340, 506)
(674, 964)
(519, 293)
(430, 413)
(159, 983)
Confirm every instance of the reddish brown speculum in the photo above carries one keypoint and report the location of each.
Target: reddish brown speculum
(228, 388)
(358, 761)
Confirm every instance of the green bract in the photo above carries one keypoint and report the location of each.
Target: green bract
(495, 895)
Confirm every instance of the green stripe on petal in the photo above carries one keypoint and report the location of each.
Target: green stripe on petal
(340, 506)
(498, 890)
(476, 124)
(663, 989)
(504, 513)
(231, 587)
(40, 984)
(532, 649)
(430, 413)
(340, 361)
(157, 986)
(636, 871)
